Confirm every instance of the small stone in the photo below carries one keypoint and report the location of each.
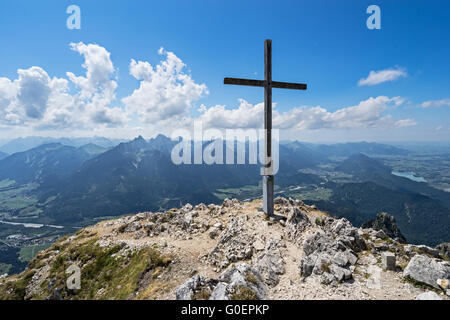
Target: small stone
(381, 234)
(193, 273)
(258, 245)
(388, 260)
(443, 283)
(149, 226)
(140, 216)
(139, 234)
(381, 247)
(218, 225)
(213, 232)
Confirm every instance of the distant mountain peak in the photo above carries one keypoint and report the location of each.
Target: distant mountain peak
(161, 137)
(360, 162)
(387, 224)
(139, 138)
(135, 145)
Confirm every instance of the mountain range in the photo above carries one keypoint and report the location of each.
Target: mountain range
(27, 143)
(77, 184)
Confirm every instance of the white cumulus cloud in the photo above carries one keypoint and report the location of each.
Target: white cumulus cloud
(436, 103)
(36, 100)
(163, 100)
(165, 91)
(245, 116)
(370, 113)
(377, 77)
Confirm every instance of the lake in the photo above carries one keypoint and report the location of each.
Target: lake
(409, 175)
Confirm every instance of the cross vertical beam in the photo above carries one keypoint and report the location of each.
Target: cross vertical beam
(268, 84)
(268, 182)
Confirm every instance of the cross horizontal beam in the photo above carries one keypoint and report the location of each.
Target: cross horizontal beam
(263, 83)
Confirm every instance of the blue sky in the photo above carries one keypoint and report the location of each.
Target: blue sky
(325, 44)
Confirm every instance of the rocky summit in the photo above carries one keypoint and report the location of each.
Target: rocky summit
(234, 251)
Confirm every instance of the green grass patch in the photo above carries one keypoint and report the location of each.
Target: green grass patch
(202, 294)
(28, 253)
(244, 293)
(16, 289)
(4, 268)
(105, 274)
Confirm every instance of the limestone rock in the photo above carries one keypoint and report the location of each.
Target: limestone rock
(412, 249)
(296, 223)
(347, 234)
(230, 284)
(429, 295)
(243, 276)
(258, 245)
(319, 241)
(427, 270)
(270, 263)
(132, 227)
(213, 232)
(234, 244)
(194, 285)
(331, 252)
(186, 208)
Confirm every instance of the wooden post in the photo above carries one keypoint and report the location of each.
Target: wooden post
(268, 182)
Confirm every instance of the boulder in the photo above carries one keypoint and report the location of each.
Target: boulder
(428, 250)
(220, 292)
(346, 234)
(340, 273)
(239, 282)
(227, 203)
(319, 241)
(429, 295)
(239, 277)
(307, 265)
(270, 263)
(427, 270)
(186, 208)
(296, 223)
(193, 286)
(344, 258)
(213, 232)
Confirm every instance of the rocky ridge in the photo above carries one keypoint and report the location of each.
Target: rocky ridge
(234, 251)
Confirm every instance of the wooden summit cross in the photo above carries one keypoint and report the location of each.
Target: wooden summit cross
(268, 84)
